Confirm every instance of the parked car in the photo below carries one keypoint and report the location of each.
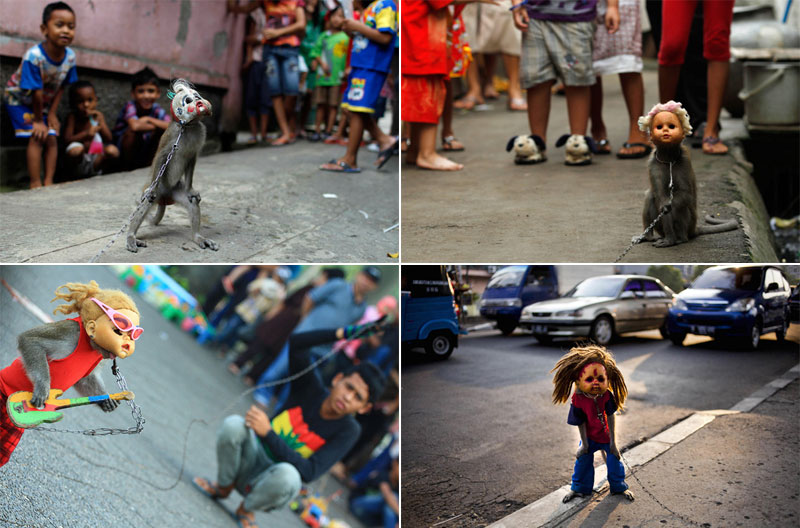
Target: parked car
(513, 287)
(733, 302)
(601, 308)
(428, 312)
(794, 305)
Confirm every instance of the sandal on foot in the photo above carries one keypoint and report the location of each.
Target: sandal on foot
(338, 166)
(603, 146)
(635, 155)
(243, 521)
(386, 154)
(517, 104)
(467, 102)
(712, 142)
(213, 495)
(451, 144)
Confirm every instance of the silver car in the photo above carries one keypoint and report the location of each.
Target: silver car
(601, 308)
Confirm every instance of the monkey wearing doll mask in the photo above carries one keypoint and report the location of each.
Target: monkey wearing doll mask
(599, 392)
(66, 353)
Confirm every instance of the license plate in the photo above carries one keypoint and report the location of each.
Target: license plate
(539, 329)
(703, 330)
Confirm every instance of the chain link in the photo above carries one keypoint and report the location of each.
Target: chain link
(136, 412)
(664, 210)
(145, 196)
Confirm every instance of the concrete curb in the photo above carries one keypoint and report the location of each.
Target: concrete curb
(549, 510)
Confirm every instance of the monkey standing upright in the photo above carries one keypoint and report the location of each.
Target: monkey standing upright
(175, 185)
(66, 353)
(668, 124)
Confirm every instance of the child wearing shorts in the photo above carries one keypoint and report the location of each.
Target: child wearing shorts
(34, 91)
(329, 60)
(86, 133)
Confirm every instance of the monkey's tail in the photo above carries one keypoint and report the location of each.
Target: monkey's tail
(159, 214)
(718, 225)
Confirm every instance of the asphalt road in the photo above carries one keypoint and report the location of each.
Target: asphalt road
(484, 418)
(69, 480)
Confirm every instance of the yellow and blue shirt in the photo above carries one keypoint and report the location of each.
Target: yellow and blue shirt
(380, 15)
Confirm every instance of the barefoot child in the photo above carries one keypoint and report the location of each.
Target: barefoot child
(34, 91)
(86, 133)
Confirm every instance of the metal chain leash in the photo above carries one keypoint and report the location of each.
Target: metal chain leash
(693, 523)
(136, 412)
(664, 210)
(145, 196)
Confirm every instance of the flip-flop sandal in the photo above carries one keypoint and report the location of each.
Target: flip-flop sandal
(214, 496)
(636, 155)
(468, 102)
(711, 141)
(282, 142)
(603, 146)
(343, 167)
(517, 104)
(386, 154)
(239, 518)
(447, 144)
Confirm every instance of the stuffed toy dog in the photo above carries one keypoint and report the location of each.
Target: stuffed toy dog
(527, 149)
(579, 149)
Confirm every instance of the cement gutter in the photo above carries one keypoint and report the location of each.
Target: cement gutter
(549, 510)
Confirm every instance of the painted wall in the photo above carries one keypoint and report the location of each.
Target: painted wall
(195, 39)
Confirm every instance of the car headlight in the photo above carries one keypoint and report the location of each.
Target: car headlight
(514, 302)
(680, 305)
(570, 313)
(741, 305)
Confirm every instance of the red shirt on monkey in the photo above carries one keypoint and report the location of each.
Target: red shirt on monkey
(64, 354)
(599, 391)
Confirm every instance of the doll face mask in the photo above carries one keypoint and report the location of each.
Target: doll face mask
(107, 333)
(187, 104)
(666, 129)
(593, 379)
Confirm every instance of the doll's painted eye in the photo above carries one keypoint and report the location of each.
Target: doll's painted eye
(188, 99)
(601, 379)
(117, 331)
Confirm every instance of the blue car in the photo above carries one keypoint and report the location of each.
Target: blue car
(513, 287)
(428, 312)
(742, 302)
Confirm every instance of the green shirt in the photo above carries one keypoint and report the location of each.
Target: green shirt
(331, 48)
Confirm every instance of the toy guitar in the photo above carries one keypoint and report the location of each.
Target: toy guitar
(26, 416)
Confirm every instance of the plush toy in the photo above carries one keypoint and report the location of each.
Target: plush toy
(66, 353)
(579, 149)
(527, 149)
(599, 392)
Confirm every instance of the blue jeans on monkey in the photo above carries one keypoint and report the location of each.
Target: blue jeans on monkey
(583, 476)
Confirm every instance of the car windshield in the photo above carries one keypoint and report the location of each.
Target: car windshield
(730, 279)
(506, 277)
(597, 287)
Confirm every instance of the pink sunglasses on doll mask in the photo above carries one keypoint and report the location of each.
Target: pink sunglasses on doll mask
(120, 321)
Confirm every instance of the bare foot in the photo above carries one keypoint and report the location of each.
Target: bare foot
(437, 162)
(233, 369)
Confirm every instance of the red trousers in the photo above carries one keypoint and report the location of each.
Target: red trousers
(9, 433)
(676, 21)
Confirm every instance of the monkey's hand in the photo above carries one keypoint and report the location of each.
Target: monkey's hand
(40, 394)
(614, 451)
(582, 450)
(150, 196)
(108, 405)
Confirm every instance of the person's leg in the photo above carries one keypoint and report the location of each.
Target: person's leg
(273, 488)
(616, 473)
(717, 78)
(34, 155)
(239, 454)
(278, 369)
(633, 91)
(427, 158)
(322, 110)
(676, 24)
(473, 96)
(599, 132)
(539, 108)
(332, 111)
(384, 140)
(390, 517)
(583, 474)
(449, 141)
(368, 509)
(489, 62)
(578, 103)
(354, 138)
(716, 49)
(515, 99)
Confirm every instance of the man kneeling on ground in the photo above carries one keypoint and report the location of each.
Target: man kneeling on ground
(268, 460)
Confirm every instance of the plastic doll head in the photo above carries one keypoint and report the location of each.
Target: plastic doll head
(97, 324)
(648, 122)
(187, 103)
(582, 363)
(593, 379)
(58, 24)
(666, 130)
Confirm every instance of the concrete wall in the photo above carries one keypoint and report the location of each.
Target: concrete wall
(195, 39)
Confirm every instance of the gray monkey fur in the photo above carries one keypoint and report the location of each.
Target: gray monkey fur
(56, 341)
(679, 224)
(175, 184)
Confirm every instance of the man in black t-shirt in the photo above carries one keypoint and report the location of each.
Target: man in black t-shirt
(267, 460)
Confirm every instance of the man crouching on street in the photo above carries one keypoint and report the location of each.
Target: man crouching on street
(267, 460)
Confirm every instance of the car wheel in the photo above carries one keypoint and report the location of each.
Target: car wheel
(755, 335)
(507, 327)
(440, 345)
(780, 334)
(543, 339)
(677, 338)
(602, 330)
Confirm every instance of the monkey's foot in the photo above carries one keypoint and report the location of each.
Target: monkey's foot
(204, 242)
(664, 242)
(627, 494)
(193, 196)
(133, 244)
(572, 494)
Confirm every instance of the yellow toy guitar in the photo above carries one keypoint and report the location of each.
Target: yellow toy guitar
(26, 416)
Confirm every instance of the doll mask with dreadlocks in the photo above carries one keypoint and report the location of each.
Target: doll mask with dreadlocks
(593, 369)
